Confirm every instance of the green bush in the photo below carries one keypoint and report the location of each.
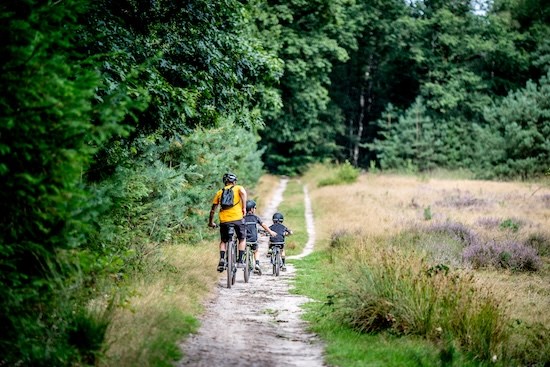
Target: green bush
(342, 174)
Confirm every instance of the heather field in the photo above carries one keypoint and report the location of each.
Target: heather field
(461, 265)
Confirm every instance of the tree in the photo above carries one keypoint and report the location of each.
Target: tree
(309, 38)
(377, 73)
(50, 127)
(517, 135)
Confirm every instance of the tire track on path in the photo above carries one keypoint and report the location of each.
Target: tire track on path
(259, 323)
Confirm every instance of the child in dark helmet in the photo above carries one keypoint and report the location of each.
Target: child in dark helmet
(279, 239)
(251, 221)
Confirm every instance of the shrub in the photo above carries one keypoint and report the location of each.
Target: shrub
(344, 174)
(508, 255)
(342, 238)
(510, 224)
(462, 200)
(427, 213)
(540, 242)
(489, 222)
(458, 231)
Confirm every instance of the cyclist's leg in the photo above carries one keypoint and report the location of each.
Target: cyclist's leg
(255, 256)
(224, 237)
(240, 231)
(256, 252)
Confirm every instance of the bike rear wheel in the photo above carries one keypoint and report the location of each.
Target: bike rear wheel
(229, 264)
(234, 262)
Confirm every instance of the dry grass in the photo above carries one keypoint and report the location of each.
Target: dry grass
(385, 205)
(186, 278)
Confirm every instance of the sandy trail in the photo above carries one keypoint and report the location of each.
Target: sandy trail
(259, 323)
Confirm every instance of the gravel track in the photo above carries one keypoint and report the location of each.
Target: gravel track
(259, 323)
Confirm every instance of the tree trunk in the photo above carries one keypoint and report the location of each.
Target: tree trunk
(359, 128)
(364, 109)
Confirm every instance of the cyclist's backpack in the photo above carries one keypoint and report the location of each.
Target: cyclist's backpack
(226, 200)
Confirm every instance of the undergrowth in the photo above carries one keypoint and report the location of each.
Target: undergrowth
(396, 302)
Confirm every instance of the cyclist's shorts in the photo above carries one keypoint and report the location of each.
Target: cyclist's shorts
(239, 230)
(253, 245)
(280, 244)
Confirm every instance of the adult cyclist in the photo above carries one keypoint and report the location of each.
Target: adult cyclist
(232, 216)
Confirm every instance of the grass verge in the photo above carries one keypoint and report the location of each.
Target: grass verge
(346, 347)
(293, 209)
(161, 307)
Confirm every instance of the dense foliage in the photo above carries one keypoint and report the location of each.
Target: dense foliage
(465, 66)
(119, 117)
(118, 120)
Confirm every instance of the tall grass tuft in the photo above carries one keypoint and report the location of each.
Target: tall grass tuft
(87, 333)
(399, 292)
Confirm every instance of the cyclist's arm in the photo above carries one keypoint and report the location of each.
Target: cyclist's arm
(242, 194)
(211, 216)
(271, 232)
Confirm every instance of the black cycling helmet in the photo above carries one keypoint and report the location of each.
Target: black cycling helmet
(250, 204)
(278, 217)
(229, 177)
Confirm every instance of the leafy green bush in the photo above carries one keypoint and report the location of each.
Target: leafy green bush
(342, 174)
(510, 224)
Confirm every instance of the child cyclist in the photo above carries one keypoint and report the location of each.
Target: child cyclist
(251, 221)
(279, 239)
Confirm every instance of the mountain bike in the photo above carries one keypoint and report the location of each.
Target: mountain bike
(276, 257)
(231, 257)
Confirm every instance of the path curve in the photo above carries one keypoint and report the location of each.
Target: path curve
(267, 331)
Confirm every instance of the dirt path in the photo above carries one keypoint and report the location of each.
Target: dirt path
(267, 331)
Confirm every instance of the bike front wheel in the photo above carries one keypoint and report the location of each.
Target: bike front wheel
(276, 261)
(247, 264)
